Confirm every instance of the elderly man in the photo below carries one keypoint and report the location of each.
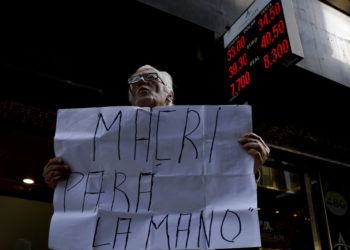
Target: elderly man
(149, 87)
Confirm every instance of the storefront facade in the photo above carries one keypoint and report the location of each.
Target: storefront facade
(300, 111)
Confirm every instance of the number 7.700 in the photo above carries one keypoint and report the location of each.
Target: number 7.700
(240, 83)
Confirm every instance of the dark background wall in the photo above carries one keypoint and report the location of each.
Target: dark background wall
(64, 57)
(67, 56)
(99, 48)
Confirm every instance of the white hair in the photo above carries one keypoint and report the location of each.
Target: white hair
(164, 76)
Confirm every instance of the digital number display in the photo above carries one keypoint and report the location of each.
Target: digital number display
(261, 44)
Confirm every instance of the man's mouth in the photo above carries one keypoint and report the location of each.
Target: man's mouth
(143, 91)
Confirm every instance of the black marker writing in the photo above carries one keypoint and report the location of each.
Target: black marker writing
(185, 134)
(100, 117)
(94, 241)
(116, 187)
(67, 187)
(157, 133)
(148, 139)
(185, 229)
(239, 225)
(216, 124)
(91, 192)
(126, 232)
(151, 223)
(202, 223)
(148, 179)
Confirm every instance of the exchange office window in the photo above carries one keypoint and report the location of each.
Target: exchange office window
(337, 199)
(284, 217)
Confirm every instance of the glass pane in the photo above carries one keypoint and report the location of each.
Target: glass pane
(279, 180)
(284, 217)
(336, 189)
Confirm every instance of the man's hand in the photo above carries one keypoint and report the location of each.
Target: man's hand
(54, 171)
(256, 147)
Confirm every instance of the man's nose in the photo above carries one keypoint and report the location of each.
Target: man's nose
(140, 82)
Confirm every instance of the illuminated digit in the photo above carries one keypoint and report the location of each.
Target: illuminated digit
(266, 61)
(240, 44)
(279, 50)
(233, 89)
(241, 62)
(263, 42)
(277, 8)
(272, 12)
(231, 72)
(285, 45)
(274, 55)
(266, 19)
(247, 77)
(233, 52)
(275, 31)
(233, 69)
(239, 81)
(244, 82)
(228, 55)
(245, 59)
(268, 38)
(281, 27)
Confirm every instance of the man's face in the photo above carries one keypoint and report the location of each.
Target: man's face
(148, 90)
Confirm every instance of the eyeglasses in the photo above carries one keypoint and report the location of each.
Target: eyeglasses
(148, 77)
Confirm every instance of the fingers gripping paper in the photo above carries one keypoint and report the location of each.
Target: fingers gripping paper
(168, 178)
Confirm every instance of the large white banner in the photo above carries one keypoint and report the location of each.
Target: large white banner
(170, 177)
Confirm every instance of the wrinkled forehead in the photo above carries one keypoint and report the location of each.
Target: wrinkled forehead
(146, 70)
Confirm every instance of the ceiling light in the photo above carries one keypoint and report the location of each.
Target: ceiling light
(28, 181)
